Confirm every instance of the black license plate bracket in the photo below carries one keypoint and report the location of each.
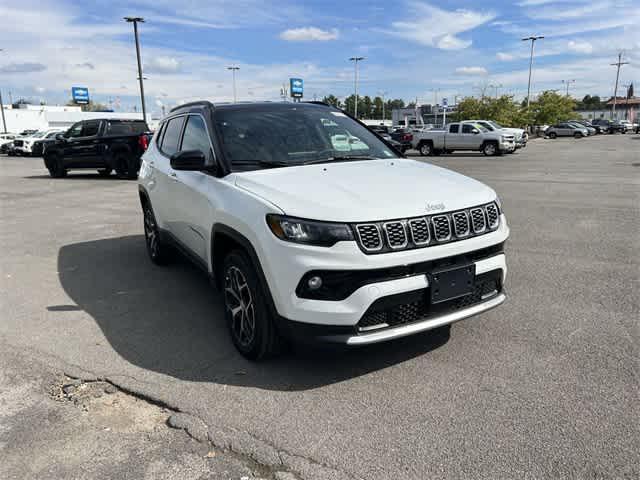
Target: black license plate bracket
(452, 282)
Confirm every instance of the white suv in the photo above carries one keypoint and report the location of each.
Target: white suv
(315, 228)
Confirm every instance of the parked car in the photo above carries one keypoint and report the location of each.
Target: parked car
(39, 146)
(5, 140)
(403, 136)
(520, 135)
(593, 129)
(104, 145)
(590, 130)
(566, 129)
(464, 136)
(24, 145)
(383, 132)
(625, 126)
(313, 229)
(609, 126)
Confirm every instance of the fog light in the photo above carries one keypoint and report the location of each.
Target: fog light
(314, 283)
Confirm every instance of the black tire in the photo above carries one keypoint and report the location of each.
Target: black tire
(56, 166)
(104, 172)
(133, 166)
(553, 135)
(251, 326)
(159, 252)
(425, 149)
(122, 166)
(491, 149)
(436, 152)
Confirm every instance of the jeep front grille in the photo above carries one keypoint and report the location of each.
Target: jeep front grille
(395, 234)
(369, 237)
(419, 232)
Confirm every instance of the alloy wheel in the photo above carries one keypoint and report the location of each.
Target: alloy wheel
(151, 233)
(239, 303)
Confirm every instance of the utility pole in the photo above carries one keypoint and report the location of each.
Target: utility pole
(618, 64)
(568, 82)
(532, 39)
(356, 60)
(135, 21)
(435, 105)
(234, 69)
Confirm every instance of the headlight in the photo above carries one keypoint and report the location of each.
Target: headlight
(308, 231)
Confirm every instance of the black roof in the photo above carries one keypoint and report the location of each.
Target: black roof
(242, 105)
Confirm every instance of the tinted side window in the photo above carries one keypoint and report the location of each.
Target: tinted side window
(125, 128)
(159, 134)
(74, 131)
(454, 128)
(171, 137)
(89, 129)
(195, 135)
(466, 128)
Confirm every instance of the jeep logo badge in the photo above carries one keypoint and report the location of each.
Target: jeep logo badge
(434, 207)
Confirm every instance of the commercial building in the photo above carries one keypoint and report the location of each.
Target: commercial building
(40, 117)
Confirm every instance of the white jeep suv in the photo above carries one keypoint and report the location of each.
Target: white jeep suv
(316, 229)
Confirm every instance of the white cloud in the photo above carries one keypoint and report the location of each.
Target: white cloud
(162, 64)
(309, 34)
(580, 47)
(434, 27)
(471, 71)
(504, 57)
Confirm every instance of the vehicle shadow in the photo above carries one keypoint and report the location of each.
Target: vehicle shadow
(170, 320)
(77, 176)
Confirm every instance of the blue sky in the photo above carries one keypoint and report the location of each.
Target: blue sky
(412, 47)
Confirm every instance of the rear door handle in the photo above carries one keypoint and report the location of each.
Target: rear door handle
(174, 175)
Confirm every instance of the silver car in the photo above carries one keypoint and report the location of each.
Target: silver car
(566, 129)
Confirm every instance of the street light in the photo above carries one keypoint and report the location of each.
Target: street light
(4, 123)
(356, 60)
(568, 82)
(233, 69)
(435, 104)
(496, 87)
(382, 94)
(135, 21)
(533, 41)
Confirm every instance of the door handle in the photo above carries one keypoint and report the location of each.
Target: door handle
(174, 176)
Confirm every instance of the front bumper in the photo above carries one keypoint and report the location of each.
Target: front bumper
(507, 146)
(286, 264)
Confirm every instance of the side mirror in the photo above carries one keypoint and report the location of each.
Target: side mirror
(193, 160)
(60, 136)
(475, 131)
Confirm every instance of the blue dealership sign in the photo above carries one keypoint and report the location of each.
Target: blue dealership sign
(80, 95)
(296, 87)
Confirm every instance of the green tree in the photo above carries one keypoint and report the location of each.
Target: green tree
(332, 100)
(550, 107)
(376, 113)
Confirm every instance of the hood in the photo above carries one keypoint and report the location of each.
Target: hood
(364, 191)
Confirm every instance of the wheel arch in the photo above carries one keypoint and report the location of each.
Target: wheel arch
(225, 239)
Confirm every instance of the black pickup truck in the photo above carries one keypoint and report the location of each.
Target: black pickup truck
(104, 145)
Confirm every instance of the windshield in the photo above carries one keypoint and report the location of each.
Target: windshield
(496, 125)
(294, 134)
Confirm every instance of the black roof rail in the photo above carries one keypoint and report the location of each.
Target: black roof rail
(205, 103)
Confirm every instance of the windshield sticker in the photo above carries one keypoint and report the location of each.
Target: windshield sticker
(326, 122)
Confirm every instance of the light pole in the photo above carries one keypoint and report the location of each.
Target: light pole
(4, 123)
(135, 21)
(234, 69)
(533, 41)
(382, 94)
(568, 82)
(435, 104)
(618, 64)
(356, 60)
(496, 87)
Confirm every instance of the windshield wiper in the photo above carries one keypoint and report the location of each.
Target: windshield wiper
(263, 163)
(340, 158)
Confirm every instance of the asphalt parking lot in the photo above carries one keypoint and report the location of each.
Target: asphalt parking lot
(545, 386)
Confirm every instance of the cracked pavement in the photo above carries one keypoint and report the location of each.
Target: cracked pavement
(544, 386)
